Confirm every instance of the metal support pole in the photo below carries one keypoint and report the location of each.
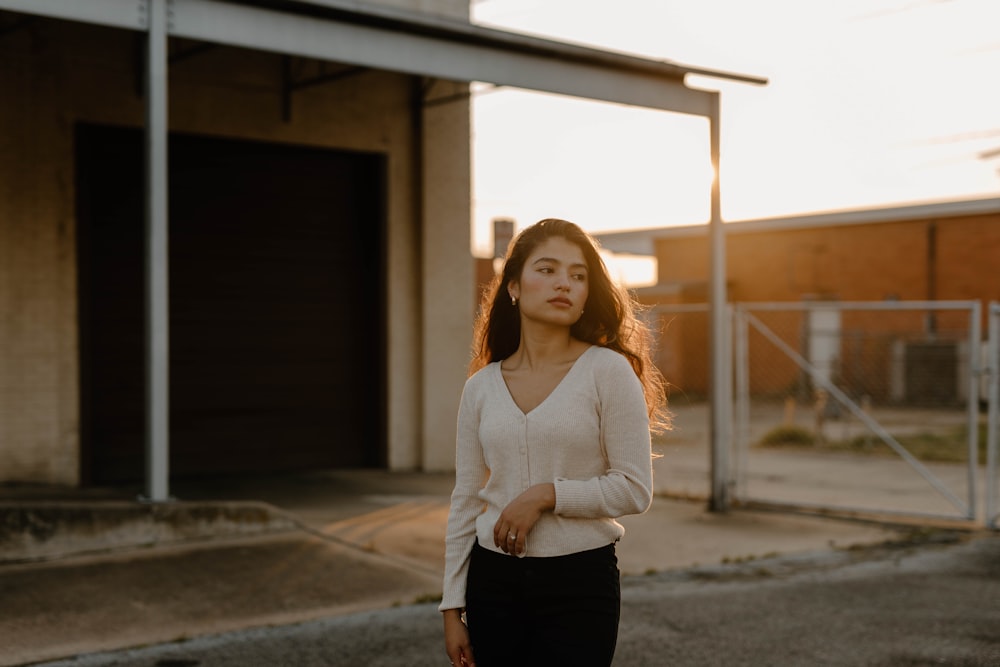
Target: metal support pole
(719, 406)
(993, 415)
(157, 323)
(741, 372)
(972, 421)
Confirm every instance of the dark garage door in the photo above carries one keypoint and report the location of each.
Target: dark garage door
(276, 306)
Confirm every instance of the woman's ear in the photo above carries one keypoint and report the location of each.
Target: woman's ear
(513, 290)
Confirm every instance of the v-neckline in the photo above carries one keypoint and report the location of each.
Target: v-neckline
(555, 389)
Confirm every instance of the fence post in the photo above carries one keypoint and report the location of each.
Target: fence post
(975, 372)
(741, 369)
(993, 415)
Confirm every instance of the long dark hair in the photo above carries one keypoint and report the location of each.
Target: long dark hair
(609, 317)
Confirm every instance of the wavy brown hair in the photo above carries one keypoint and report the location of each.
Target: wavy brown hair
(609, 316)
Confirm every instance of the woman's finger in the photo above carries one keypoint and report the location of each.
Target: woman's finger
(501, 532)
(510, 541)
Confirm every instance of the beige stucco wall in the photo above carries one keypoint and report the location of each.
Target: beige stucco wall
(38, 371)
(54, 74)
(448, 275)
(422, 435)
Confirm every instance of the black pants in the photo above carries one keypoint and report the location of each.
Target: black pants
(543, 611)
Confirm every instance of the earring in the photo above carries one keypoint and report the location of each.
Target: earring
(513, 300)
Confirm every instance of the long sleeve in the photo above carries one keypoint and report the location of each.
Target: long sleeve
(466, 505)
(627, 485)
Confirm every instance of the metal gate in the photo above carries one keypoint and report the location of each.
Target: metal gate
(993, 417)
(878, 405)
(867, 408)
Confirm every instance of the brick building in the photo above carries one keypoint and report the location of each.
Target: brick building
(932, 252)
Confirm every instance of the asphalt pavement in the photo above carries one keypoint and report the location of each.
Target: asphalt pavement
(344, 567)
(936, 603)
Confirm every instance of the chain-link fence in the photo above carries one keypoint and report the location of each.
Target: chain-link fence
(862, 407)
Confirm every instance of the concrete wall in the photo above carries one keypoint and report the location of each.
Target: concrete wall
(447, 294)
(39, 435)
(55, 74)
(422, 435)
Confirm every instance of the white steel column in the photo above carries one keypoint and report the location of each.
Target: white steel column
(720, 394)
(157, 295)
(993, 416)
(741, 375)
(972, 409)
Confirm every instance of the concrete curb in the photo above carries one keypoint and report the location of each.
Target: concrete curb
(39, 531)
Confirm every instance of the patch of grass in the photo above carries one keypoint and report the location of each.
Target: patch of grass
(944, 447)
(736, 560)
(788, 436)
(949, 446)
(914, 536)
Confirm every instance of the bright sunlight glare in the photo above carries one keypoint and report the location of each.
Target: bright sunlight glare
(870, 103)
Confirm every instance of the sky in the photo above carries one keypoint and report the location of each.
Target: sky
(870, 103)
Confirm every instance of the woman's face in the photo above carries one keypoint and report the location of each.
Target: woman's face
(554, 283)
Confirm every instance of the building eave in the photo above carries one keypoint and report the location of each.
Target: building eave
(458, 31)
(643, 241)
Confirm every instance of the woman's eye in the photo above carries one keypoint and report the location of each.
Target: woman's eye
(580, 276)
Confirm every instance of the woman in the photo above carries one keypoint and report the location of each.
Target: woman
(553, 445)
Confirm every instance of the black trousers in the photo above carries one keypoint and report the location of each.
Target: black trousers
(562, 610)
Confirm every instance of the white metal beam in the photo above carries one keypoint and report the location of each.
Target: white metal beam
(993, 416)
(423, 53)
(427, 55)
(129, 14)
(157, 287)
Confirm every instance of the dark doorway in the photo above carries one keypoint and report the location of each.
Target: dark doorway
(276, 306)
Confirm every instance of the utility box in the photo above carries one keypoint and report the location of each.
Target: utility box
(925, 373)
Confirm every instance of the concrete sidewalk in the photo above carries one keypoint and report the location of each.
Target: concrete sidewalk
(926, 603)
(268, 551)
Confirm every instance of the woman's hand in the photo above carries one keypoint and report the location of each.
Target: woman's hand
(510, 532)
(456, 639)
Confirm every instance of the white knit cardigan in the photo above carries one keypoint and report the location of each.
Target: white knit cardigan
(590, 437)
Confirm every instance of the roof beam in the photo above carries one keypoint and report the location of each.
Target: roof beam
(128, 14)
(409, 44)
(428, 55)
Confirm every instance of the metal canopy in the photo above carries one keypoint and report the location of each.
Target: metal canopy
(419, 44)
(408, 42)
